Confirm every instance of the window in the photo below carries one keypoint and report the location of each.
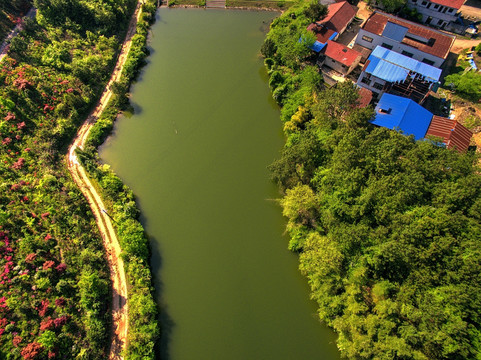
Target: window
(427, 61)
(440, 22)
(387, 46)
(424, 3)
(450, 10)
(407, 54)
(366, 80)
(436, 6)
(414, 1)
(367, 38)
(378, 86)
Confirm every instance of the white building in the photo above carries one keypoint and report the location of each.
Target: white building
(437, 13)
(388, 71)
(405, 37)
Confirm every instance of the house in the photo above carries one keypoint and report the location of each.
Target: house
(339, 57)
(388, 71)
(398, 113)
(405, 37)
(437, 13)
(338, 18)
(453, 134)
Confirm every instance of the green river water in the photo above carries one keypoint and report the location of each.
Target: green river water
(195, 154)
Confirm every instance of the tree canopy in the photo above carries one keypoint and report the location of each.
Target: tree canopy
(387, 229)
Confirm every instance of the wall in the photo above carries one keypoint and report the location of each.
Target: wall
(437, 14)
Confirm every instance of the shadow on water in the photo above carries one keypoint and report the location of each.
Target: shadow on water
(166, 323)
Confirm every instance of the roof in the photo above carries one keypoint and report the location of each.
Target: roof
(417, 36)
(456, 4)
(317, 46)
(454, 134)
(323, 34)
(365, 97)
(396, 112)
(394, 67)
(363, 50)
(339, 15)
(341, 53)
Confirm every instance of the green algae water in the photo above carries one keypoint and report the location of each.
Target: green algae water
(195, 154)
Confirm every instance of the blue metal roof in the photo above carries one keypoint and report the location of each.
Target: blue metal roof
(396, 112)
(393, 67)
(394, 31)
(333, 36)
(317, 46)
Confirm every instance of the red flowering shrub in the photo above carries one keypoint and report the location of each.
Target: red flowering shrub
(47, 324)
(10, 116)
(22, 84)
(61, 267)
(48, 264)
(17, 340)
(60, 302)
(17, 165)
(30, 257)
(62, 320)
(42, 310)
(6, 141)
(31, 350)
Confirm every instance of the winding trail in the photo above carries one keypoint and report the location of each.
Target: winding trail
(109, 237)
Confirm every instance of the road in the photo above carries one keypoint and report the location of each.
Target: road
(109, 237)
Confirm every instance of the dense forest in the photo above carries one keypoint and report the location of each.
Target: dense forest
(54, 281)
(387, 229)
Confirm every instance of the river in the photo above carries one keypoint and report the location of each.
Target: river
(195, 153)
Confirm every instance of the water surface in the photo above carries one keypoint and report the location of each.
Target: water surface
(195, 154)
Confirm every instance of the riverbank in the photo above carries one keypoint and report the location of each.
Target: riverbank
(134, 313)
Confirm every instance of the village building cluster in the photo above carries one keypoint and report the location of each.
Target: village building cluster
(396, 62)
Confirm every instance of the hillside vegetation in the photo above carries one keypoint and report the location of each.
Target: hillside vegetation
(387, 229)
(54, 282)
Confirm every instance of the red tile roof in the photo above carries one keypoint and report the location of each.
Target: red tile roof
(339, 15)
(438, 44)
(454, 134)
(365, 97)
(322, 33)
(341, 53)
(456, 4)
